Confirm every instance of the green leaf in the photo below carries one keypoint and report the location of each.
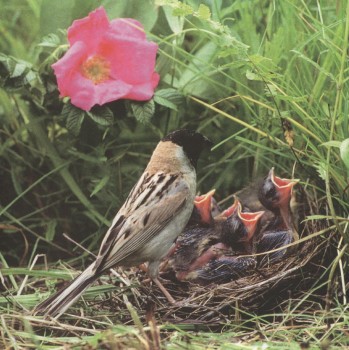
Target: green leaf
(204, 12)
(164, 102)
(51, 230)
(252, 76)
(17, 74)
(169, 98)
(176, 23)
(13, 72)
(19, 69)
(344, 152)
(332, 144)
(50, 40)
(143, 111)
(100, 185)
(101, 115)
(74, 118)
(321, 169)
(183, 10)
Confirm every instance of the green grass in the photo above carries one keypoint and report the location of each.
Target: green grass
(267, 81)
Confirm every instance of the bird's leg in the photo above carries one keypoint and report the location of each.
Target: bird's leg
(164, 291)
(153, 273)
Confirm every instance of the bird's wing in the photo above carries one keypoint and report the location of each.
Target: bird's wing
(152, 203)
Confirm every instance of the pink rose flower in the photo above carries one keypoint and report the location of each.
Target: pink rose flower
(106, 61)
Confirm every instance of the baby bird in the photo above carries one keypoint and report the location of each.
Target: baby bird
(202, 213)
(198, 246)
(195, 240)
(275, 195)
(224, 269)
(201, 216)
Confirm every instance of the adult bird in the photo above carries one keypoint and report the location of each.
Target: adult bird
(153, 215)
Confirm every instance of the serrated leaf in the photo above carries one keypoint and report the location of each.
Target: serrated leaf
(204, 12)
(164, 102)
(19, 69)
(182, 10)
(101, 115)
(18, 74)
(143, 111)
(50, 40)
(30, 77)
(172, 95)
(321, 169)
(74, 118)
(100, 185)
(169, 98)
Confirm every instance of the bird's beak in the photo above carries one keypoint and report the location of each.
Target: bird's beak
(283, 186)
(203, 206)
(250, 220)
(232, 209)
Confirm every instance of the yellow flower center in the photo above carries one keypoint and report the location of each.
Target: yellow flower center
(96, 68)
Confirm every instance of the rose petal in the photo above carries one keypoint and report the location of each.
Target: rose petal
(143, 92)
(132, 61)
(111, 90)
(89, 29)
(127, 27)
(81, 92)
(155, 79)
(68, 65)
(84, 94)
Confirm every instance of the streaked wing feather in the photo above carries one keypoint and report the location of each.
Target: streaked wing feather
(163, 214)
(129, 231)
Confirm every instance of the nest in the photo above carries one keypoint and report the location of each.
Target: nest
(263, 289)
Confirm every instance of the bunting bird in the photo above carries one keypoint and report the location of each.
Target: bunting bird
(153, 215)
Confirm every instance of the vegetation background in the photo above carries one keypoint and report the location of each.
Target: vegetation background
(266, 80)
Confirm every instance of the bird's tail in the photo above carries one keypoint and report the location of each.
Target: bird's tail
(57, 304)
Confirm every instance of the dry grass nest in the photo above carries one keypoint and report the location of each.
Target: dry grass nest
(265, 289)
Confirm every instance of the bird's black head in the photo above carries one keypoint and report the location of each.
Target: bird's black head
(275, 192)
(268, 193)
(233, 230)
(192, 142)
